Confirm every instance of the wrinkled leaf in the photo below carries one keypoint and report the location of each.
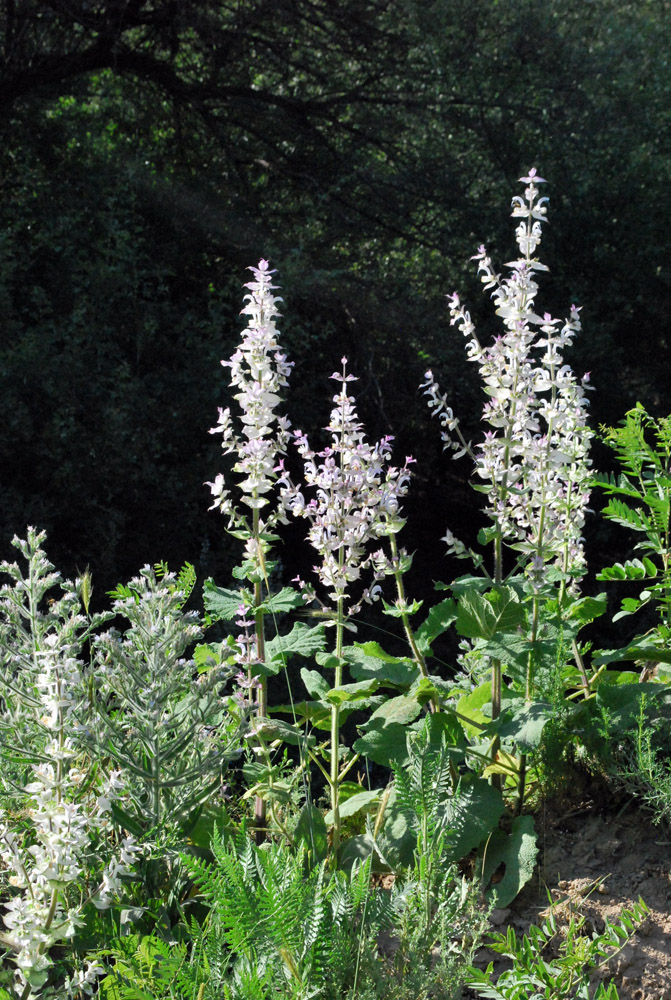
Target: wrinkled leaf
(517, 852)
(471, 815)
(285, 600)
(383, 742)
(481, 616)
(404, 708)
(527, 724)
(222, 603)
(370, 660)
(302, 641)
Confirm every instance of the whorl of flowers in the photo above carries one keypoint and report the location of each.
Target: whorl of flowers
(259, 371)
(356, 500)
(535, 457)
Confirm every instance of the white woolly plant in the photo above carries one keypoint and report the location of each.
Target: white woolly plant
(57, 842)
(163, 723)
(533, 463)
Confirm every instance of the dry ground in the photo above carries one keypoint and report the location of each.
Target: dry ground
(598, 839)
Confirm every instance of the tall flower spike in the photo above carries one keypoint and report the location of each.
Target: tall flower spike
(535, 456)
(259, 371)
(357, 498)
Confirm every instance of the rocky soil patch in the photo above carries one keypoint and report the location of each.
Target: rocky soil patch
(597, 859)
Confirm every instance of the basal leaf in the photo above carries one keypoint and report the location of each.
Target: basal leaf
(517, 852)
(527, 724)
(471, 815)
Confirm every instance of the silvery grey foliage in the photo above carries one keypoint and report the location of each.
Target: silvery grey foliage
(58, 848)
(164, 724)
(32, 621)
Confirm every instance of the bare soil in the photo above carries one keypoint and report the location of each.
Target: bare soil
(615, 841)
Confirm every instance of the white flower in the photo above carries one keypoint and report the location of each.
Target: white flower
(356, 501)
(535, 457)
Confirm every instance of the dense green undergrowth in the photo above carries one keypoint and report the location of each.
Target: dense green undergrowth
(236, 791)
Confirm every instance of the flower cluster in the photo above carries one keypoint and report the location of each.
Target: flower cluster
(42, 914)
(259, 370)
(357, 499)
(535, 456)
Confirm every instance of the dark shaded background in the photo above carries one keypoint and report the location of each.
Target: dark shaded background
(150, 150)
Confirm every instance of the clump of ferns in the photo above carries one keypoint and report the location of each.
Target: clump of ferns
(315, 929)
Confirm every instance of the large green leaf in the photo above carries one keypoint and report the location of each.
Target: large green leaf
(634, 652)
(439, 619)
(517, 852)
(285, 600)
(471, 815)
(302, 641)
(470, 706)
(315, 685)
(383, 742)
(525, 728)
(481, 616)
(404, 708)
(587, 609)
(622, 702)
(223, 603)
(367, 800)
(370, 660)
(346, 693)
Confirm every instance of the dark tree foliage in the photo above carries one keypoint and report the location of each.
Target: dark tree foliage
(152, 149)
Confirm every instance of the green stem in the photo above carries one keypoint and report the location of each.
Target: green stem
(335, 731)
(402, 605)
(530, 658)
(577, 656)
(497, 677)
(260, 808)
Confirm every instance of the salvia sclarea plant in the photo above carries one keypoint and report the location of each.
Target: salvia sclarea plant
(353, 505)
(533, 467)
(355, 502)
(258, 439)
